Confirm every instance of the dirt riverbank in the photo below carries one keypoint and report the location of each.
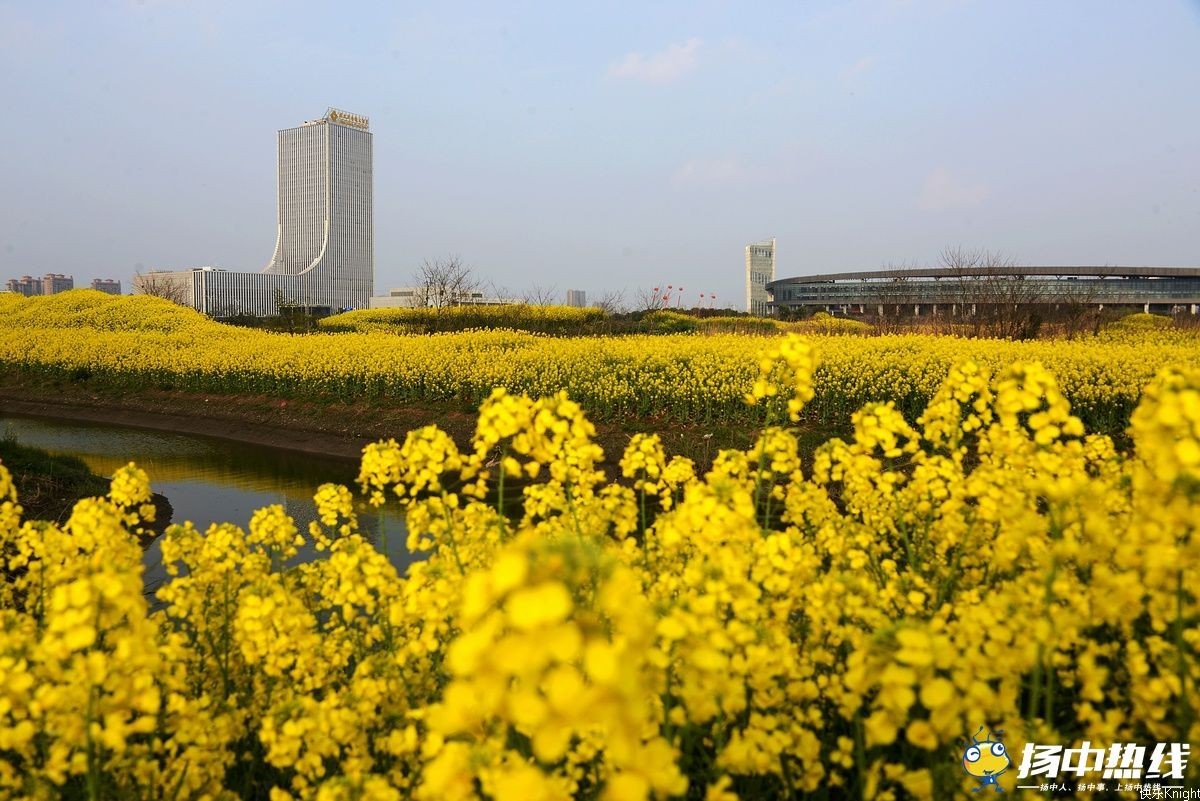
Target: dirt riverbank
(326, 428)
(222, 420)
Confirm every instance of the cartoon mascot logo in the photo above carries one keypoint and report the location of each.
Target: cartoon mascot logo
(986, 759)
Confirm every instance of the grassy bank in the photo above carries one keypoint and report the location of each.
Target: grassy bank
(49, 485)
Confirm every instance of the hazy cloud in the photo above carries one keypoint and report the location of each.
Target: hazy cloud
(663, 67)
(945, 190)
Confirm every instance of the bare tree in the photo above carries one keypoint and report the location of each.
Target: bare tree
(160, 284)
(1077, 306)
(283, 304)
(539, 295)
(650, 299)
(996, 296)
(612, 303)
(499, 293)
(889, 301)
(444, 282)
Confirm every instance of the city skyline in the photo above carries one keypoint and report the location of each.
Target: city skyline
(578, 148)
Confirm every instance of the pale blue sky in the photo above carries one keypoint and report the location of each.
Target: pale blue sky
(609, 146)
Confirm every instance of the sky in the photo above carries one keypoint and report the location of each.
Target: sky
(608, 147)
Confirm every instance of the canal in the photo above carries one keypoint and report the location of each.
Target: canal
(210, 480)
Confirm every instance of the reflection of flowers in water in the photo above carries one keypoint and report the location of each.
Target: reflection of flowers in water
(179, 458)
(206, 481)
(98, 441)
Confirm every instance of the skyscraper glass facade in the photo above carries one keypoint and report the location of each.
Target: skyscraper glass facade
(760, 271)
(324, 257)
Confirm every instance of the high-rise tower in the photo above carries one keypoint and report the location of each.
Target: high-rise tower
(326, 226)
(760, 270)
(324, 259)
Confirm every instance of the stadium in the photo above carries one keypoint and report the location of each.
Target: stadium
(970, 290)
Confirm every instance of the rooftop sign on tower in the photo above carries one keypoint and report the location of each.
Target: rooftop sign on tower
(346, 118)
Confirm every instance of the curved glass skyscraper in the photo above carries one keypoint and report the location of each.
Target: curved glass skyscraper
(326, 233)
(324, 259)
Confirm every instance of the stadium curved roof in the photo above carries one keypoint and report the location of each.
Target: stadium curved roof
(1107, 271)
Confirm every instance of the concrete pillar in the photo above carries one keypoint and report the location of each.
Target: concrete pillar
(1146, 308)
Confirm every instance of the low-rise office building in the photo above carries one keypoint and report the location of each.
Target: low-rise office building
(411, 297)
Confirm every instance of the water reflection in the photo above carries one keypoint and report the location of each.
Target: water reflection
(208, 480)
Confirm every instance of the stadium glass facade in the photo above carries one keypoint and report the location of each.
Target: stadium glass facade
(918, 291)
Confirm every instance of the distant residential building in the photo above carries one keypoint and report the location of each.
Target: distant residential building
(324, 256)
(106, 285)
(48, 284)
(760, 271)
(576, 297)
(26, 285)
(53, 283)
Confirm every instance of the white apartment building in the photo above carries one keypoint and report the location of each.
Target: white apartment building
(576, 297)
